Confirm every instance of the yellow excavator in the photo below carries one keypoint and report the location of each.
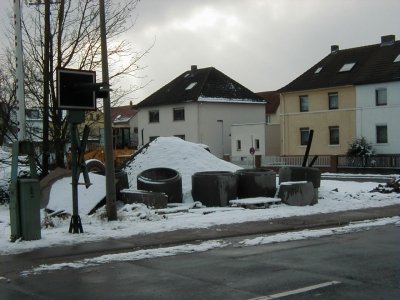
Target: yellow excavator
(122, 150)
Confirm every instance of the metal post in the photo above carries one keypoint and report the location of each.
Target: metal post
(109, 160)
(75, 224)
(19, 60)
(309, 142)
(46, 89)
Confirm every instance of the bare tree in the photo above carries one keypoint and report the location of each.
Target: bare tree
(74, 42)
(8, 127)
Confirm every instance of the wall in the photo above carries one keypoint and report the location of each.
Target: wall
(319, 118)
(369, 115)
(247, 134)
(201, 123)
(272, 139)
(210, 130)
(167, 126)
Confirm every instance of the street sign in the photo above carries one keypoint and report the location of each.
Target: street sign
(252, 150)
(76, 89)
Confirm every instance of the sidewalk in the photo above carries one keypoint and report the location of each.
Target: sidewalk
(11, 265)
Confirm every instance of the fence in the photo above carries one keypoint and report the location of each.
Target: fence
(375, 164)
(376, 161)
(321, 161)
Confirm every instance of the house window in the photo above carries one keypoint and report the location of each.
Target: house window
(381, 97)
(333, 100)
(381, 134)
(179, 114)
(334, 135)
(181, 136)
(303, 103)
(154, 116)
(318, 70)
(190, 86)
(268, 119)
(238, 145)
(347, 67)
(257, 142)
(304, 134)
(32, 114)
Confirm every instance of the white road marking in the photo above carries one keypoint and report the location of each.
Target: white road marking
(297, 291)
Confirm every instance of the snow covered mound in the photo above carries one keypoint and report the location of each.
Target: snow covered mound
(185, 157)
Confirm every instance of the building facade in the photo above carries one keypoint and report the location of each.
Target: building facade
(199, 106)
(351, 93)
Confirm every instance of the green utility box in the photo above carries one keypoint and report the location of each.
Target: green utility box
(29, 208)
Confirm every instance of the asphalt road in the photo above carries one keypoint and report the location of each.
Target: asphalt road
(363, 265)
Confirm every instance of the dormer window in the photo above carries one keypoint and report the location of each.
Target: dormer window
(190, 86)
(347, 67)
(318, 70)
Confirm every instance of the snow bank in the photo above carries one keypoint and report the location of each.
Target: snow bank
(185, 157)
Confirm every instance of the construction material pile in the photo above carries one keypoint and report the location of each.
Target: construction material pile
(392, 186)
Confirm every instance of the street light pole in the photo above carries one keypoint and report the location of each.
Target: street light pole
(19, 65)
(46, 89)
(109, 160)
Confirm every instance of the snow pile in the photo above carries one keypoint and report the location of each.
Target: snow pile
(185, 157)
(61, 194)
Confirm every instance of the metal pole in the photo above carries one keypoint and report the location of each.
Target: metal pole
(75, 178)
(19, 60)
(46, 90)
(75, 224)
(109, 160)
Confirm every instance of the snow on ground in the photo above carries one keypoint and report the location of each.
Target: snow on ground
(137, 219)
(213, 244)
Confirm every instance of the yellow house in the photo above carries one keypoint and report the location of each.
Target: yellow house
(330, 112)
(329, 97)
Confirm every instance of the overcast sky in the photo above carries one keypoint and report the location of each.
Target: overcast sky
(262, 44)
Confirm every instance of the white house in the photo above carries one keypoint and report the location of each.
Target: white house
(199, 106)
(377, 118)
(263, 137)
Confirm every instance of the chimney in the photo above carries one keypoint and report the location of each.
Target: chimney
(193, 70)
(334, 49)
(388, 40)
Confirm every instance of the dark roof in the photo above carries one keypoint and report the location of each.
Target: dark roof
(210, 83)
(123, 113)
(373, 64)
(272, 101)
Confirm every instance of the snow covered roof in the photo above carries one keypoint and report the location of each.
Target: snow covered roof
(200, 85)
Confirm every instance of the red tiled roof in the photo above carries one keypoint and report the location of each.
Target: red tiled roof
(126, 112)
(272, 101)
